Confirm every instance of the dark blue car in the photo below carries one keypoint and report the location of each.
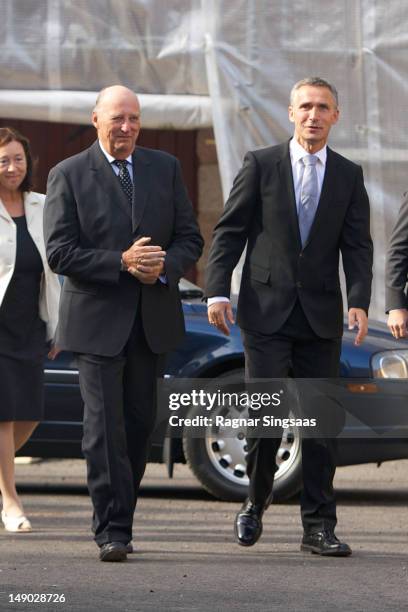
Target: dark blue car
(218, 457)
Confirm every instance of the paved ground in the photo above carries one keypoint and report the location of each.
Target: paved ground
(186, 558)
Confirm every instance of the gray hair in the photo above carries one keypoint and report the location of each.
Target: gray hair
(314, 82)
(99, 98)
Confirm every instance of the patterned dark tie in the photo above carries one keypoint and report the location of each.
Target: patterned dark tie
(309, 196)
(124, 178)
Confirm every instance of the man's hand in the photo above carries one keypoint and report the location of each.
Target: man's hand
(357, 318)
(144, 261)
(53, 352)
(398, 322)
(217, 315)
(143, 254)
(147, 274)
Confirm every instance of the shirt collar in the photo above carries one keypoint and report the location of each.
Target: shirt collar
(297, 152)
(110, 158)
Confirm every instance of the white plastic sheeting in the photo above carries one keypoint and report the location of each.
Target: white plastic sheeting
(164, 112)
(153, 46)
(56, 54)
(244, 54)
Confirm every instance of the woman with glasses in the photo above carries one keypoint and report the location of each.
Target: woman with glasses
(29, 294)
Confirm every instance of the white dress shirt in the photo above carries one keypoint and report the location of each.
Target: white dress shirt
(114, 167)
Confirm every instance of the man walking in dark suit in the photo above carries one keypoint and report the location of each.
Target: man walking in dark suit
(295, 207)
(120, 227)
(396, 276)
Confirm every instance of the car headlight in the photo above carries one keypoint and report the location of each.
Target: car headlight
(390, 364)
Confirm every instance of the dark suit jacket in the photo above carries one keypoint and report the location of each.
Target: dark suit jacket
(396, 274)
(89, 223)
(261, 213)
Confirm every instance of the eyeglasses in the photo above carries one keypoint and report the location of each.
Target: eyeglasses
(6, 161)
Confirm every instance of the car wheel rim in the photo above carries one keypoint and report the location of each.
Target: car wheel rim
(226, 449)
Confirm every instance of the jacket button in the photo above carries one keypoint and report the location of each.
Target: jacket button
(299, 284)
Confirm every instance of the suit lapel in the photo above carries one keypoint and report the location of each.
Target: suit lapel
(142, 177)
(31, 206)
(34, 217)
(286, 178)
(4, 212)
(106, 177)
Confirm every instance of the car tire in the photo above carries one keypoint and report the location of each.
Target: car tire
(218, 461)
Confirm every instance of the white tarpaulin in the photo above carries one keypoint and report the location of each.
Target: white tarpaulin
(244, 54)
(154, 46)
(159, 112)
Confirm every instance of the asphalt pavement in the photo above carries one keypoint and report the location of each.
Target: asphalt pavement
(186, 558)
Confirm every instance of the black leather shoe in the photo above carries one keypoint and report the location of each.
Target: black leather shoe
(325, 543)
(113, 551)
(248, 523)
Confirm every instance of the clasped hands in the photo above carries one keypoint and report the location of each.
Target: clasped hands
(144, 261)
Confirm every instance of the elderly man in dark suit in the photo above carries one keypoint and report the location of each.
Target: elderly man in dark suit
(295, 207)
(396, 275)
(120, 227)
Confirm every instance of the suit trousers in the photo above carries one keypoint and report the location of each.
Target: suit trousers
(294, 350)
(119, 394)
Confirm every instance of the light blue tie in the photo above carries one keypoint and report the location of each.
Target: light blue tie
(309, 196)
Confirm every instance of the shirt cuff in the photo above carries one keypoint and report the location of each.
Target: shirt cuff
(123, 266)
(216, 299)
